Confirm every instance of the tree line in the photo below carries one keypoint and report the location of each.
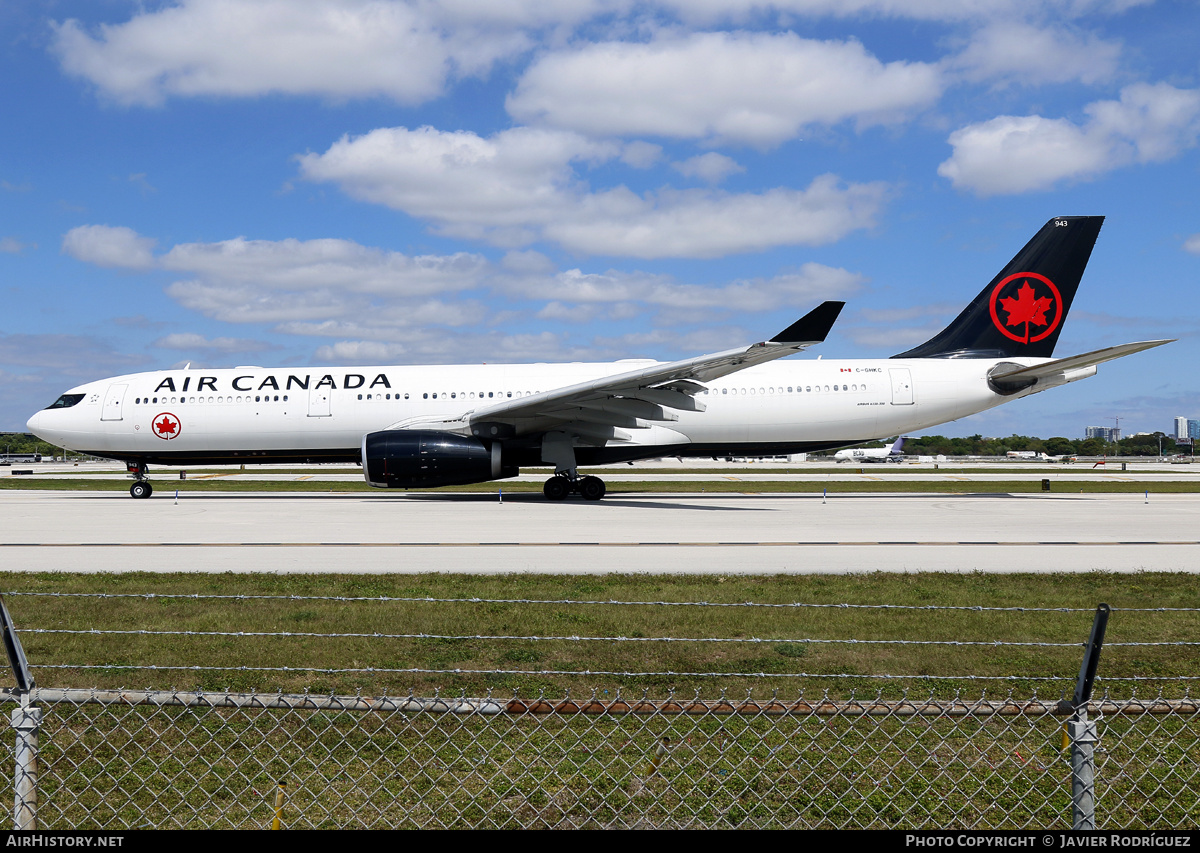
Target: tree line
(978, 445)
(23, 442)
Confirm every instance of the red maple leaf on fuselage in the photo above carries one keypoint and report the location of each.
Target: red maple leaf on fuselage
(166, 425)
(1027, 308)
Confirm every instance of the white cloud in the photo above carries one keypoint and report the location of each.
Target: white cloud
(711, 224)
(513, 179)
(325, 263)
(109, 246)
(711, 167)
(383, 305)
(1015, 154)
(519, 186)
(1192, 244)
(490, 347)
(281, 281)
(193, 341)
(752, 88)
(73, 355)
(329, 48)
(713, 11)
(577, 314)
(810, 283)
(13, 246)
(1018, 52)
(640, 154)
(246, 303)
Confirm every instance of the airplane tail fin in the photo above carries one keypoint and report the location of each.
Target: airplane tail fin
(1021, 311)
(898, 446)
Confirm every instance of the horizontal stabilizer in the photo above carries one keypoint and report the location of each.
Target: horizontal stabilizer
(1075, 362)
(813, 326)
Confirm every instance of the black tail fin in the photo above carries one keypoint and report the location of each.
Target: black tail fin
(1022, 310)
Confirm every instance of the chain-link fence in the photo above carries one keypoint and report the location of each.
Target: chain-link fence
(121, 759)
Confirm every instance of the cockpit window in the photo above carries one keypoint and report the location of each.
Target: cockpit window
(66, 401)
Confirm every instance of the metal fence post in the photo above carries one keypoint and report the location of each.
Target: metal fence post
(27, 720)
(1084, 738)
(1084, 735)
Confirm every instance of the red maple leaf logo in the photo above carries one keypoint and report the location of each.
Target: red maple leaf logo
(167, 427)
(1026, 308)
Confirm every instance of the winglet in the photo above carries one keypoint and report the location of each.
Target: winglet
(813, 326)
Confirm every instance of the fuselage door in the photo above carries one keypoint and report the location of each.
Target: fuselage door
(114, 402)
(902, 389)
(318, 403)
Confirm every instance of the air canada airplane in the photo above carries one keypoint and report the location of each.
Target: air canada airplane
(421, 426)
(895, 453)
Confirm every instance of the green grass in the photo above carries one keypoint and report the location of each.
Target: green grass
(531, 665)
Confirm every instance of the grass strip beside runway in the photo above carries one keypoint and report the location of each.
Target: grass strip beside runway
(460, 636)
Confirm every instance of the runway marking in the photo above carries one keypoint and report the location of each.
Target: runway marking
(696, 544)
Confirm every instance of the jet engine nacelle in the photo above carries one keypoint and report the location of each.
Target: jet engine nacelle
(421, 458)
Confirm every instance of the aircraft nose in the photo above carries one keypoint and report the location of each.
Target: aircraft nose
(32, 423)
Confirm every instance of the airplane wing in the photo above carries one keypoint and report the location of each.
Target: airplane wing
(602, 409)
(1021, 377)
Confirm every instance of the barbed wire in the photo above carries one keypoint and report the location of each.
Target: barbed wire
(474, 600)
(592, 672)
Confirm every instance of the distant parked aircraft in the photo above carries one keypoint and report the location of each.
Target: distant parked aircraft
(873, 454)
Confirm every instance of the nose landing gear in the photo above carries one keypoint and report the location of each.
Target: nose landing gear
(141, 487)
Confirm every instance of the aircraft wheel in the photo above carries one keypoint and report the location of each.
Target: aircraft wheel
(556, 488)
(141, 489)
(592, 488)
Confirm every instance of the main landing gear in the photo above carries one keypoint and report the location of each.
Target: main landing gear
(558, 449)
(141, 487)
(558, 487)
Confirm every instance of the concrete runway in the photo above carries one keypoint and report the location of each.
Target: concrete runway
(707, 533)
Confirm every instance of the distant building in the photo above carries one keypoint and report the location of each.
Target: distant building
(1181, 427)
(1104, 433)
(1193, 428)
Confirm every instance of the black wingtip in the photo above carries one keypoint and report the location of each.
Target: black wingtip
(813, 326)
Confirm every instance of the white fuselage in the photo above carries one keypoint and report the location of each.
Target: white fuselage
(237, 414)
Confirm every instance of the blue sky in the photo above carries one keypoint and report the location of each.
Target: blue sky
(287, 182)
